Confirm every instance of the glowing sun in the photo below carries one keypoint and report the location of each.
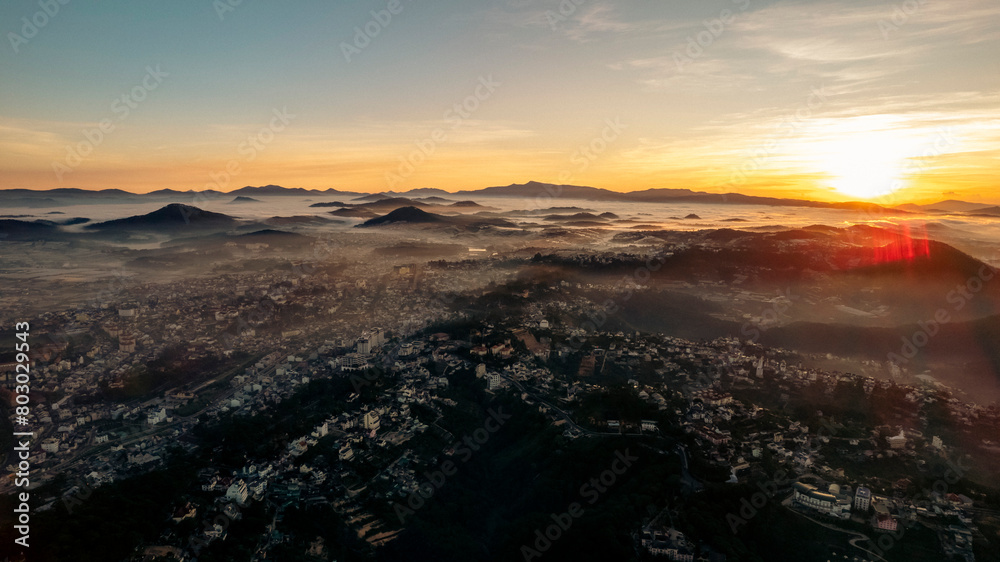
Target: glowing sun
(867, 165)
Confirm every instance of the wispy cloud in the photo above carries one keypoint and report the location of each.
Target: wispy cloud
(861, 46)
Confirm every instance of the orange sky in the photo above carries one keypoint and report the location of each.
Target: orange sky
(813, 99)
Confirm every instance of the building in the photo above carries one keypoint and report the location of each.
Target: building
(667, 542)
(50, 445)
(715, 398)
(352, 362)
(257, 488)
(862, 499)
(186, 511)
(346, 452)
(897, 441)
(826, 503)
(126, 343)
(883, 520)
(495, 381)
(503, 350)
(238, 492)
(364, 345)
(156, 416)
(371, 421)
(711, 434)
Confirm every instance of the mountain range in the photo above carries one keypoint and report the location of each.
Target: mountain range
(530, 190)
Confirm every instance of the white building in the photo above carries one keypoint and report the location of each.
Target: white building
(862, 499)
(897, 441)
(50, 445)
(495, 381)
(238, 492)
(830, 504)
(157, 416)
(346, 452)
(364, 346)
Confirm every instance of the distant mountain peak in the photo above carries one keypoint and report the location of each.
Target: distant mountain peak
(174, 215)
(408, 215)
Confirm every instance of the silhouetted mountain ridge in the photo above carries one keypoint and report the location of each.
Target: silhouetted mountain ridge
(172, 216)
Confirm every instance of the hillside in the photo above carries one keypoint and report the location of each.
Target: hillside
(173, 216)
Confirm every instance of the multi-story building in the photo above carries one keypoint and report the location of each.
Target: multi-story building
(884, 521)
(156, 416)
(862, 499)
(238, 492)
(364, 346)
(829, 504)
(126, 343)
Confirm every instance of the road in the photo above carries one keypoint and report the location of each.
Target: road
(155, 430)
(852, 541)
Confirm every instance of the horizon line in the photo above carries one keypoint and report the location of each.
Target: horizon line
(873, 201)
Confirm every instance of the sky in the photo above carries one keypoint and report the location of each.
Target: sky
(826, 100)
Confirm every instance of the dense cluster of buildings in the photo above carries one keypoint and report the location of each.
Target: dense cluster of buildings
(694, 387)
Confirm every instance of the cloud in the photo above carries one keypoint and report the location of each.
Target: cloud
(857, 46)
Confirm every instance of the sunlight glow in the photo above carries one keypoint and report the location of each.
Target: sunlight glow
(867, 165)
